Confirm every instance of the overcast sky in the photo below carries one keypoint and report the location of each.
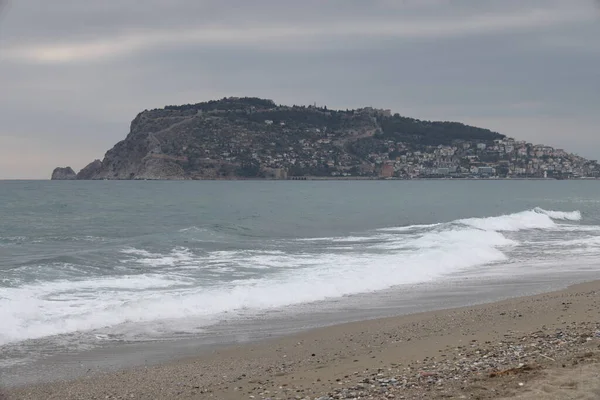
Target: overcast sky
(74, 73)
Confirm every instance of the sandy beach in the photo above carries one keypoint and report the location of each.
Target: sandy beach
(539, 347)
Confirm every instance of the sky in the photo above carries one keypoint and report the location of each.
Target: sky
(74, 73)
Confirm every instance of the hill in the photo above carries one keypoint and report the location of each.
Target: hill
(235, 138)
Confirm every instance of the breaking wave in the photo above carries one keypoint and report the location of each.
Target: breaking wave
(184, 284)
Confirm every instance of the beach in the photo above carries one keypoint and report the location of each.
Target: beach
(545, 346)
(263, 290)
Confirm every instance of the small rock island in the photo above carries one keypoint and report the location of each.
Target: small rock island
(63, 174)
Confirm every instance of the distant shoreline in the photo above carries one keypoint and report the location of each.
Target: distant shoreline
(327, 178)
(312, 178)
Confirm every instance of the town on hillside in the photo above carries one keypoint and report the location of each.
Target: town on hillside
(296, 142)
(501, 158)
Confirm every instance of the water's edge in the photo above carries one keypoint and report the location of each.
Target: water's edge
(113, 357)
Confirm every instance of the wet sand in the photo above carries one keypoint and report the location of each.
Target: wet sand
(538, 347)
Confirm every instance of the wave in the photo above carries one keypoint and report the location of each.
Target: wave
(193, 229)
(210, 286)
(590, 241)
(11, 239)
(340, 239)
(177, 256)
(451, 238)
(219, 232)
(561, 215)
(183, 284)
(408, 228)
(525, 220)
(536, 218)
(52, 308)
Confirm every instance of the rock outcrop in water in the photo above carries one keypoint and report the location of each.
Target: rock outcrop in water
(64, 174)
(245, 138)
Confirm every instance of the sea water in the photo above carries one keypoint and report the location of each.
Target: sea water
(83, 264)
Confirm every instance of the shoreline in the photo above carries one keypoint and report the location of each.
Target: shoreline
(447, 353)
(316, 178)
(333, 178)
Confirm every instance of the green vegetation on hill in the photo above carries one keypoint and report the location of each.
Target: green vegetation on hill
(246, 110)
(226, 104)
(430, 133)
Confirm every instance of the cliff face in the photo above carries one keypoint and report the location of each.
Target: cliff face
(141, 156)
(255, 138)
(90, 171)
(63, 174)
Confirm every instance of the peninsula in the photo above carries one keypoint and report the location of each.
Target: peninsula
(253, 138)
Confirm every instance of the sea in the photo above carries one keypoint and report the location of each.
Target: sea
(98, 275)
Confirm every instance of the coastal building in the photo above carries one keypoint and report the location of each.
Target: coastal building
(486, 171)
(387, 170)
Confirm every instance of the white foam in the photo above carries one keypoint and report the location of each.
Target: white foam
(13, 238)
(408, 228)
(138, 252)
(62, 307)
(590, 241)
(525, 220)
(50, 308)
(538, 218)
(512, 222)
(560, 215)
(341, 239)
(355, 239)
(447, 239)
(193, 229)
(177, 256)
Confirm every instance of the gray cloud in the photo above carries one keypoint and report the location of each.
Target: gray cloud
(67, 31)
(75, 74)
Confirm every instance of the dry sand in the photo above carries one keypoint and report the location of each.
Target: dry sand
(539, 347)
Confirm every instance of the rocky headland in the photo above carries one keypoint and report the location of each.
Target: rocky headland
(90, 171)
(252, 138)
